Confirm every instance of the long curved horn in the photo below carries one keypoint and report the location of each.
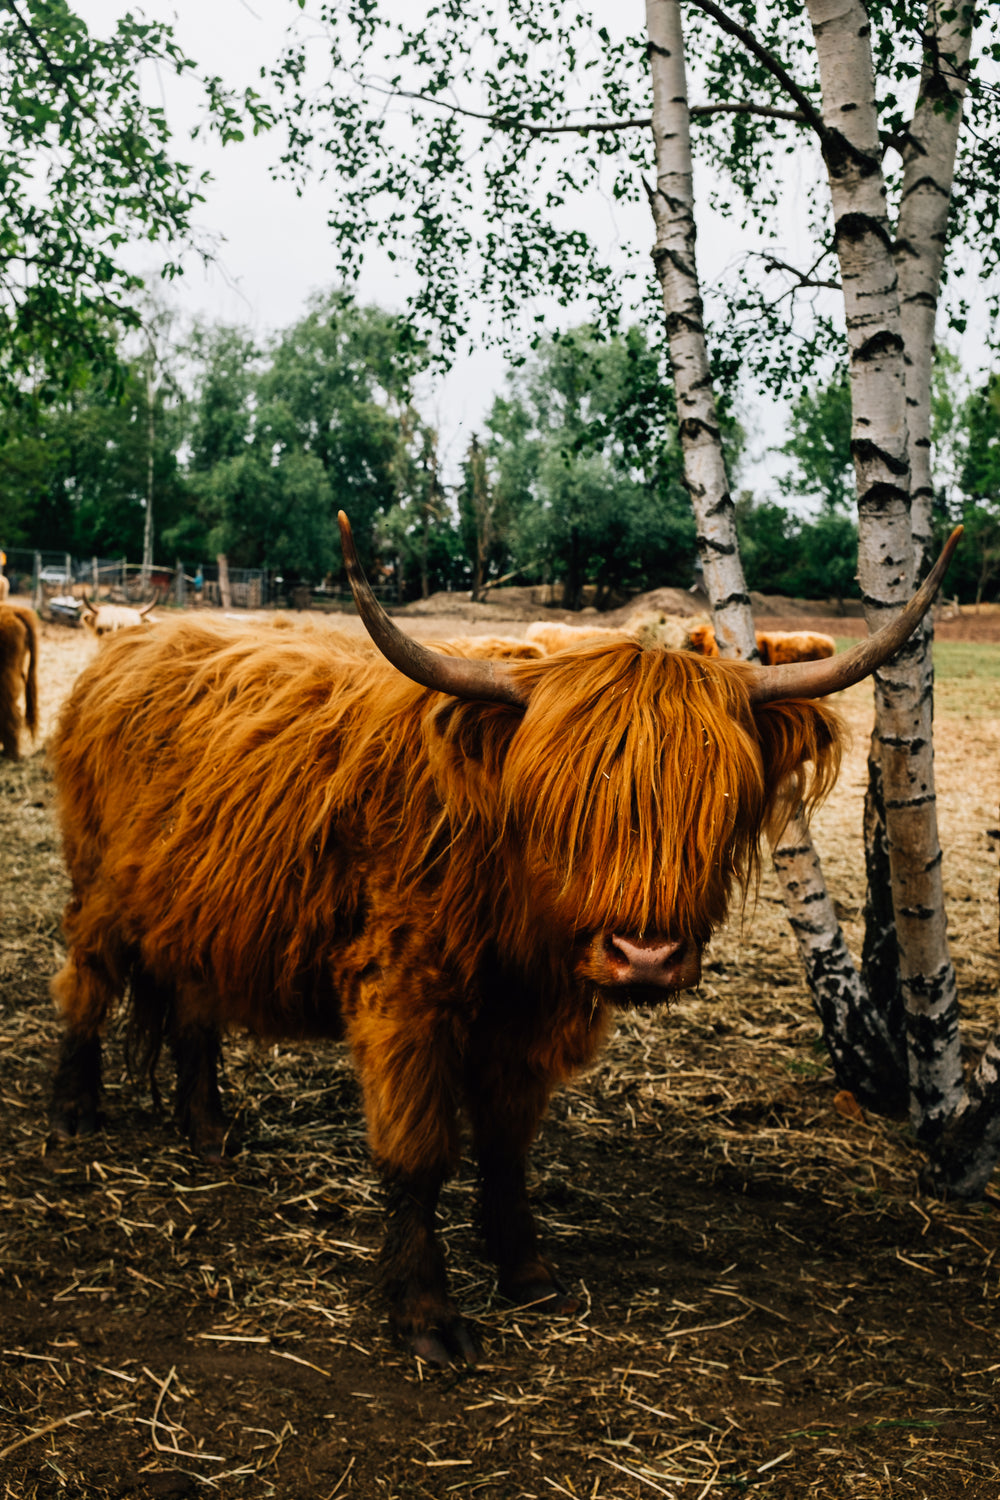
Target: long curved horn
(814, 679)
(89, 607)
(489, 681)
(151, 605)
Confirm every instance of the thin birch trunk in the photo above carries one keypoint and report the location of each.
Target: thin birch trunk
(859, 1045)
(928, 172)
(879, 444)
(929, 163)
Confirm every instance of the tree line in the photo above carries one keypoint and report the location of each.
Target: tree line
(575, 478)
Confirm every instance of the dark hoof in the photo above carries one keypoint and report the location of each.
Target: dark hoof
(213, 1145)
(451, 1341)
(67, 1124)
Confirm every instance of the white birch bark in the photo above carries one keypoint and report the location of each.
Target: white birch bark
(859, 1044)
(928, 172)
(852, 153)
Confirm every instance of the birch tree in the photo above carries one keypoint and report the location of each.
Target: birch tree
(509, 112)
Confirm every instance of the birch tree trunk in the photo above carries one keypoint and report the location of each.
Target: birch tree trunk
(861, 1048)
(879, 443)
(929, 162)
(928, 172)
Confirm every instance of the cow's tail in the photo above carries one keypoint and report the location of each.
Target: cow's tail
(31, 681)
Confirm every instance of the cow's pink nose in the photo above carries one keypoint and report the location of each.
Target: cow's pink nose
(651, 961)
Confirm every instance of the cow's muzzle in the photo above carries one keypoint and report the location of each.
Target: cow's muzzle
(619, 962)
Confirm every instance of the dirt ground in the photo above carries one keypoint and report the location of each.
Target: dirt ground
(770, 1306)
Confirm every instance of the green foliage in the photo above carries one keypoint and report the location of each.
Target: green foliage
(85, 168)
(282, 438)
(585, 468)
(73, 475)
(459, 137)
(788, 554)
(820, 446)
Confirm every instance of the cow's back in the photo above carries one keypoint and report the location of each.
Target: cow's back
(204, 802)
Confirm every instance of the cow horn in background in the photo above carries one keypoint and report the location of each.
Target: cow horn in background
(151, 605)
(89, 607)
(814, 679)
(489, 681)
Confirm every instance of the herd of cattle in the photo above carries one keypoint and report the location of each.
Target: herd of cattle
(461, 860)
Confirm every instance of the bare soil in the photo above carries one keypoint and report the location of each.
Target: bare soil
(770, 1304)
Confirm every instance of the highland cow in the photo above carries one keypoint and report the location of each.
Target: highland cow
(777, 646)
(461, 865)
(18, 676)
(104, 619)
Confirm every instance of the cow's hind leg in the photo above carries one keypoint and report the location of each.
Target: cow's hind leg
(86, 989)
(198, 1104)
(162, 1009)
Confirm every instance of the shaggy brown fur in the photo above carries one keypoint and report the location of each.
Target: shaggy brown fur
(4, 587)
(277, 830)
(777, 646)
(18, 676)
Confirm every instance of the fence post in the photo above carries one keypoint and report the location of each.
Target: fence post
(95, 578)
(69, 570)
(180, 583)
(225, 593)
(38, 581)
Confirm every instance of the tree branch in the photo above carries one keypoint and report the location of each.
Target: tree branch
(810, 113)
(586, 127)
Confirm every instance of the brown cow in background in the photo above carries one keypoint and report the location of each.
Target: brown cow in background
(462, 870)
(18, 676)
(104, 619)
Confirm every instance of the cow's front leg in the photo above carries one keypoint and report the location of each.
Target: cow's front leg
(503, 1127)
(422, 1315)
(406, 1042)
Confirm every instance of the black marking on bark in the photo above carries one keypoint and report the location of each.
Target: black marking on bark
(884, 499)
(723, 549)
(930, 184)
(864, 451)
(731, 599)
(693, 427)
(881, 343)
(653, 49)
(902, 742)
(663, 253)
(677, 322)
(903, 803)
(917, 913)
(841, 156)
(721, 506)
(796, 853)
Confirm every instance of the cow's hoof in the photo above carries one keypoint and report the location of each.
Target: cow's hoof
(69, 1121)
(450, 1340)
(540, 1293)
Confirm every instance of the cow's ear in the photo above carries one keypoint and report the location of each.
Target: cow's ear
(475, 734)
(467, 746)
(800, 746)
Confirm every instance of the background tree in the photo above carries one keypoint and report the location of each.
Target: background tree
(86, 168)
(75, 473)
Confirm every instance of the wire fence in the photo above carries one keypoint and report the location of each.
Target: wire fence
(49, 577)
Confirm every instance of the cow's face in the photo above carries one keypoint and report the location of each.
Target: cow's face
(628, 799)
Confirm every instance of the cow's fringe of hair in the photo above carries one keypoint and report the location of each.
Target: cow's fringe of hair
(18, 643)
(250, 799)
